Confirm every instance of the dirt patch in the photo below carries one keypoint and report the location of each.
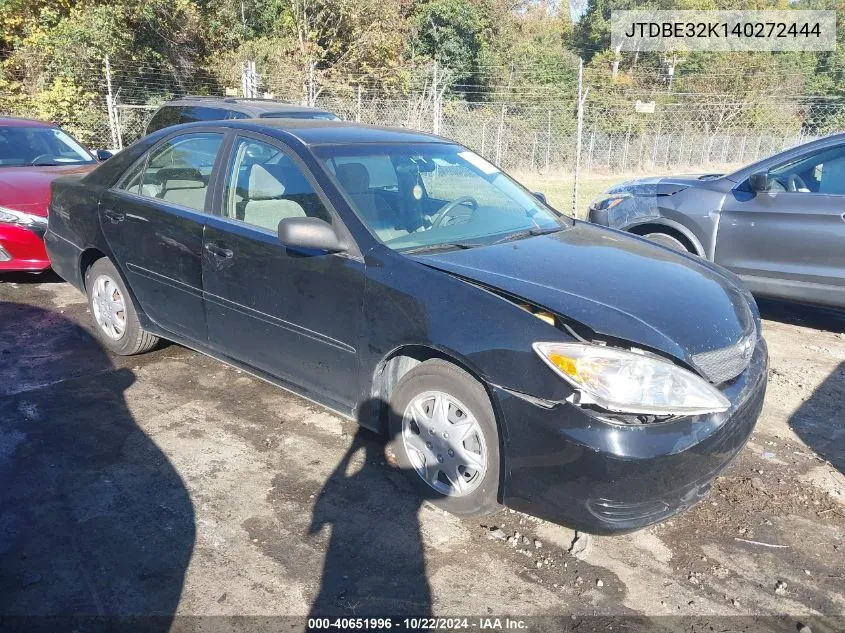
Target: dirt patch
(276, 505)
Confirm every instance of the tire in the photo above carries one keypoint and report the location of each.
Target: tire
(119, 331)
(664, 239)
(475, 493)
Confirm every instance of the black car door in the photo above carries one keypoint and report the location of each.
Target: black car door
(153, 222)
(292, 314)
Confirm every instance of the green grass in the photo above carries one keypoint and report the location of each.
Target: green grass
(558, 189)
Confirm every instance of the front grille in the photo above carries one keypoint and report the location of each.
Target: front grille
(726, 363)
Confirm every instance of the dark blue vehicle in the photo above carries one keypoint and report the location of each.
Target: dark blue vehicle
(515, 356)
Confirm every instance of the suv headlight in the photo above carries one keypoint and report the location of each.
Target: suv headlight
(608, 200)
(630, 382)
(10, 216)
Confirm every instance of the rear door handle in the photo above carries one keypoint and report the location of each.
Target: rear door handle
(219, 251)
(114, 216)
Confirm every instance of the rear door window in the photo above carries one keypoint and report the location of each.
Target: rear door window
(177, 171)
(165, 117)
(321, 116)
(191, 114)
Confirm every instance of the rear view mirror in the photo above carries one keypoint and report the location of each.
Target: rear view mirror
(759, 181)
(311, 234)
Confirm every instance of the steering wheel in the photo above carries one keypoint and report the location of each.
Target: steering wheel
(35, 160)
(796, 183)
(449, 207)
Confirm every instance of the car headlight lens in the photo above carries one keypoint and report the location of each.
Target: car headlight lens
(10, 216)
(630, 382)
(608, 200)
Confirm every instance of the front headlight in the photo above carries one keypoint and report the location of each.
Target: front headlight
(630, 382)
(608, 200)
(10, 216)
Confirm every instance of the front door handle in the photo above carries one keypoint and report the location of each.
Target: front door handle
(219, 251)
(114, 216)
(843, 217)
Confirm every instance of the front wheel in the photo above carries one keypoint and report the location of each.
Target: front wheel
(667, 240)
(444, 435)
(115, 319)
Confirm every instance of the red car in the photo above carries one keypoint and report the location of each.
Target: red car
(32, 155)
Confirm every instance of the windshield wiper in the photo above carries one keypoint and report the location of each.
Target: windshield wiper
(436, 247)
(521, 235)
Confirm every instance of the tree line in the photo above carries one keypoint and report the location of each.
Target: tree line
(515, 51)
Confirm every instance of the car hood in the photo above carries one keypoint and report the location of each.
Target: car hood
(619, 286)
(661, 185)
(28, 188)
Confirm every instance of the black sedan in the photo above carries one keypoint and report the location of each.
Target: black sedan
(515, 356)
(779, 224)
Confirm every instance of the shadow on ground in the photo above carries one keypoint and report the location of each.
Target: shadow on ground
(374, 563)
(819, 421)
(804, 315)
(94, 519)
(24, 278)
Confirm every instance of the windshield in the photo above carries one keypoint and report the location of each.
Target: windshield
(433, 196)
(23, 145)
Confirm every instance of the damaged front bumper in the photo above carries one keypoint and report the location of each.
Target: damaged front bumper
(565, 464)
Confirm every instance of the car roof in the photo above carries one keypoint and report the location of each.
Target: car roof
(314, 132)
(247, 106)
(11, 121)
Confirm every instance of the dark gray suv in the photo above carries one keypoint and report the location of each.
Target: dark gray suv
(779, 223)
(192, 109)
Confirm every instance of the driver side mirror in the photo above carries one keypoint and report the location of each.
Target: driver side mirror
(102, 155)
(759, 181)
(541, 197)
(311, 234)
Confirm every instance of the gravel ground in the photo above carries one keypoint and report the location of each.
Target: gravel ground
(170, 483)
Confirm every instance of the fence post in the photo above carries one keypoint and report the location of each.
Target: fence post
(548, 140)
(113, 124)
(654, 150)
(627, 147)
(435, 118)
(358, 111)
(578, 137)
(499, 133)
(669, 150)
(249, 80)
(640, 153)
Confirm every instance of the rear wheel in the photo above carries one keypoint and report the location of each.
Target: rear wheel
(115, 319)
(667, 240)
(444, 435)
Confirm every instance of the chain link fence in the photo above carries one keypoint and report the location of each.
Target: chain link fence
(542, 140)
(624, 133)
